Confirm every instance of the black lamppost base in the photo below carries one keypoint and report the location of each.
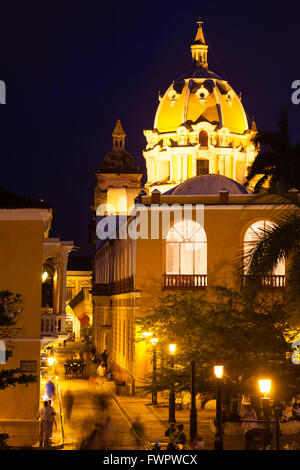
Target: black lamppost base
(218, 442)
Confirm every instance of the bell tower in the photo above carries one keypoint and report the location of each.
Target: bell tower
(118, 179)
(118, 136)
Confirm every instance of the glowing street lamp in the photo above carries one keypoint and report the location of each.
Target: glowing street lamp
(218, 442)
(218, 370)
(265, 387)
(51, 361)
(172, 349)
(44, 276)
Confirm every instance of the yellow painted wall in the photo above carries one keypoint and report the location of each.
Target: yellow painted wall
(21, 270)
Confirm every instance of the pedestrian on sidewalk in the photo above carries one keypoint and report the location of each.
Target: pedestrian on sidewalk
(171, 433)
(198, 443)
(50, 389)
(249, 418)
(104, 357)
(137, 429)
(47, 417)
(100, 437)
(101, 370)
(180, 437)
(68, 400)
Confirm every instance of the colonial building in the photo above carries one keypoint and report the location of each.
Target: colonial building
(118, 179)
(79, 298)
(191, 220)
(55, 261)
(26, 255)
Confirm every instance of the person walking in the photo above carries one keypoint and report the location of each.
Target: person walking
(104, 357)
(251, 416)
(68, 400)
(101, 370)
(137, 429)
(296, 411)
(198, 443)
(180, 437)
(50, 389)
(47, 417)
(171, 433)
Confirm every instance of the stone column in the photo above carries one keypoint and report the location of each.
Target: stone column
(62, 280)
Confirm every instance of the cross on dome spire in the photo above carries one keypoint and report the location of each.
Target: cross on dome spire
(199, 47)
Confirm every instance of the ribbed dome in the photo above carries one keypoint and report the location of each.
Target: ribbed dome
(192, 100)
(200, 95)
(208, 185)
(118, 161)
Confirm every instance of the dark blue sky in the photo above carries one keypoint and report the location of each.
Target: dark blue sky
(72, 68)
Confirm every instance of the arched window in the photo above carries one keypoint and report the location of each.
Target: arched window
(277, 277)
(186, 255)
(203, 139)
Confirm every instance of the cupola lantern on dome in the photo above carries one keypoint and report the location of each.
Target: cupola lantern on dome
(199, 47)
(200, 127)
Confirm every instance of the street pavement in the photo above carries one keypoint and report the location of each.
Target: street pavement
(124, 412)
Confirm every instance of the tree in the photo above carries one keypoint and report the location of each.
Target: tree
(247, 338)
(277, 161)
(10, 308)
(274, 243)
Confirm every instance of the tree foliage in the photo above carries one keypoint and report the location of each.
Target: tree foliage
(277, 162)
(248, 338)
(277, 242)
(10, 308)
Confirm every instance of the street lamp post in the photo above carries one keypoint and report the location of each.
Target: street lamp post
(277, 426)
(218, 442)
(172, 349)
(265, 387)
(193, 412)
(154, 379)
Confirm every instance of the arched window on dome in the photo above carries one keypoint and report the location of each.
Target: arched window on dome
(186, 256)
(203, 138)
(277, 277)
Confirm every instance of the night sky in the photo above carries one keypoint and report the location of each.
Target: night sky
(72, 68)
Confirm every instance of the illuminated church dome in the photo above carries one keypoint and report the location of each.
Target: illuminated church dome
(208, 185)
(200, 127)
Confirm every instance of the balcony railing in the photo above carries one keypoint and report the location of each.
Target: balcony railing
(272, 281)
(118, 287)
(47, 311)
(185, 281)
(51, 324)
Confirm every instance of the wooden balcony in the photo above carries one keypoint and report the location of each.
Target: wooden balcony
(271, 282)
(185, 281)
(118, 287)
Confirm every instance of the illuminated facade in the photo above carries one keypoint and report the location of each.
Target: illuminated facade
(197, 156)
(26, 253)
(79, 307)
(131, 274)
(200, 127)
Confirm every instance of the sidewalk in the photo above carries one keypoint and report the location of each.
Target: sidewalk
(155, 421)
(58, 434)
(154, 418)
